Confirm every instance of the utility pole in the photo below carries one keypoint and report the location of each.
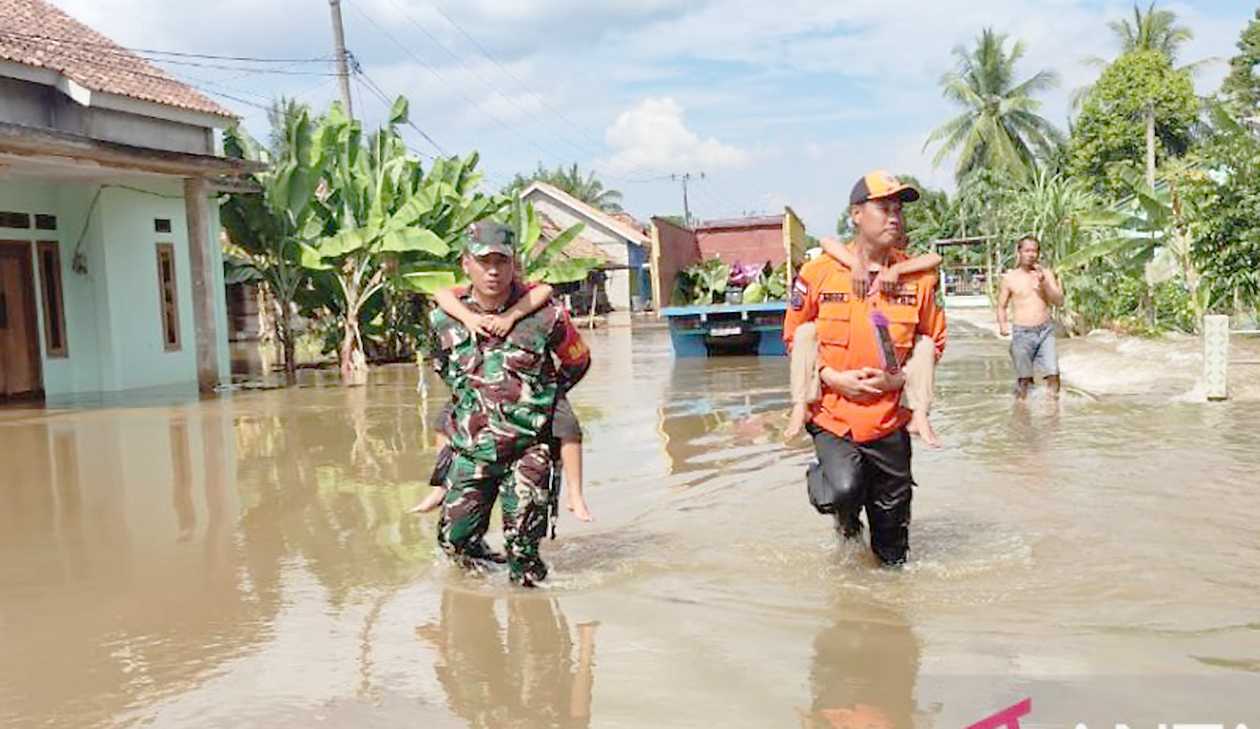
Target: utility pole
(685, 178)
(343, 69)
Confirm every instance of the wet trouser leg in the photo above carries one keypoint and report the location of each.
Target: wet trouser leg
(849, 476)
(526, 494)
(472, 486)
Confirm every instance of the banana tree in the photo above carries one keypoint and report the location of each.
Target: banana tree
(384, 219)
(541, 260)
(1148, 239)
(266, 230)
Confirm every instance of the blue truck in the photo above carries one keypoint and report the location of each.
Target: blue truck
(727, 328)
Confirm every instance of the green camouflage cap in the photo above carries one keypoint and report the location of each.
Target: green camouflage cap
(486, 237)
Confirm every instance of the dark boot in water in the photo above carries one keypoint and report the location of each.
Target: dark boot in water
(848, 527)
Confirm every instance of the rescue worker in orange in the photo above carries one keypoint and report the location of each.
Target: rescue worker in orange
(859, 425)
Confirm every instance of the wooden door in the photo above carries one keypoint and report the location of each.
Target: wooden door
(19, 345)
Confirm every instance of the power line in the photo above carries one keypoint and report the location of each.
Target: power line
(170, 79)
(437, 74)
(365, 82)
(117, 49)
(597, 147)
(473, 103)
(81, 54)
(488, 83)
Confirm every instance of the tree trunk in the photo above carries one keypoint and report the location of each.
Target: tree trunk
(284, 333)
(284, 330)
(1150, 145)
(353, 363)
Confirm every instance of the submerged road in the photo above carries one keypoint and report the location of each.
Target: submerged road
(246, 562)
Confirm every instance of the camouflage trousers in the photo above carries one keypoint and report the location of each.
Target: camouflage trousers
(524, 487)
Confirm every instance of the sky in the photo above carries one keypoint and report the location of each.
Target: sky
(776, 103)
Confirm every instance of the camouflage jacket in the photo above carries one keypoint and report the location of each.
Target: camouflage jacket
(503, 390)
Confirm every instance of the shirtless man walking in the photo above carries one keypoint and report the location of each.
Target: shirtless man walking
(1032, 290)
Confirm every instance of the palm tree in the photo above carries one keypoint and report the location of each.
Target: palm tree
(1154, 30)
(587, 189)
(999, 128)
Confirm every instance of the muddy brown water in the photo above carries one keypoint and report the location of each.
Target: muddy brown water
(246, 561)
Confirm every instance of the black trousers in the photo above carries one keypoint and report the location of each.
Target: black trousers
(849, 476)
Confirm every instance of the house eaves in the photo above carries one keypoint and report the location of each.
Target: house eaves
(590, 212)
(41, 43)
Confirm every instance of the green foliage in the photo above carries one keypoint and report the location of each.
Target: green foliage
(543, 260)
(707, 283)
(1222, 213)
(999, 128)
(1154, 30)
(930, 218)
(1110, 133)
(267, 231)
(702, 284)
(382, 222)
(770, 285)
(588, 189)
(1111, 296)
(1241, 88)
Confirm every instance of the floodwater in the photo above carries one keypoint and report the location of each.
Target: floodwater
(246, 561)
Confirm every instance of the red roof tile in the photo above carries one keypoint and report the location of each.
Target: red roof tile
(35, 33)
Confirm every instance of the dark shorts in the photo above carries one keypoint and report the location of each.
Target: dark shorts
(876, 476)
(564, 426)
(1033, 350)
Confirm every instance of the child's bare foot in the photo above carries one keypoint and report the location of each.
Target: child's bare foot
(430, 502)
(922, 427)
(577, 505)
(796, 421)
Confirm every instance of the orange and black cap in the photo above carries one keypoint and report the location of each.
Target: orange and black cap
(878, 184)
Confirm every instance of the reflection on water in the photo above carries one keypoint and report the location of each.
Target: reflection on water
(246, 561)
(863, 670)
(523, 670)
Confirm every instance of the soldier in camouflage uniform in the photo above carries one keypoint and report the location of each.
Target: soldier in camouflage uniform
(503, 392)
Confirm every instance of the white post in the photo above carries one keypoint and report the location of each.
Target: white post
(1216, 356)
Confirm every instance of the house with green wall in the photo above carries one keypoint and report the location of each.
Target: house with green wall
(111, 275)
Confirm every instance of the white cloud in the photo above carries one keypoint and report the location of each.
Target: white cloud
(653, 137)
(798, 97)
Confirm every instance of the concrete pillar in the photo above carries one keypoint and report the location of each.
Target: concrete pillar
(197, 214)
(1216, 356)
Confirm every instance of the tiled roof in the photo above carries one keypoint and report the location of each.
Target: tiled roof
(35, 33)
(579, 247)
(625, 230)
